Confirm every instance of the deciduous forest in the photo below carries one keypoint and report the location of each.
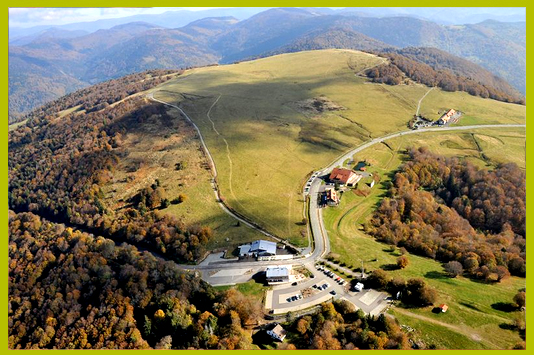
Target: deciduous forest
(449, 210)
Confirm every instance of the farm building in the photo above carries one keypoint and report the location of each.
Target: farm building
(332, 198)
(447, 116)
(344, 177)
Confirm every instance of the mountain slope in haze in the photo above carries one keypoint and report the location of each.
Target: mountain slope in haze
(48, 67)
(441, 60)
(49, 33)
(498, 47)
(74, 62)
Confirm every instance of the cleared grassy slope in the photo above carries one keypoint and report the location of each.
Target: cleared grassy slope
(264, 145)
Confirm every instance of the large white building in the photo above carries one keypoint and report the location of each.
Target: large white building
(277, 274)
(258, 248)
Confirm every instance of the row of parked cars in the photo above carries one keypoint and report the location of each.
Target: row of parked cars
(308, 184)
(294, 298)
(323, 287)
(330, 274)
(320, 287)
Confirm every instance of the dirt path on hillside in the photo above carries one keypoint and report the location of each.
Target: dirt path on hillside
(421, 100)
(463, 330)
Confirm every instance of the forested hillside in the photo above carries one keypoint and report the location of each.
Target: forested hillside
(400, 66)
(440, 60)
(448, 209)
(73, 290)
(59, 165)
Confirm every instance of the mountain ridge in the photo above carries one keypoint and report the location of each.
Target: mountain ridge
(136, 46)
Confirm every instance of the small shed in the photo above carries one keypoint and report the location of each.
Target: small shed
(443, 307)
(277, 332)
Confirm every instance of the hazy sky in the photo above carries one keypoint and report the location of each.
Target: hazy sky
(28, 17)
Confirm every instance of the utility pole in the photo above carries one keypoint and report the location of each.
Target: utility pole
(362, 271)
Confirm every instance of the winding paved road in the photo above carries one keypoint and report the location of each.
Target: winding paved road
(243, 270)
(213, 169)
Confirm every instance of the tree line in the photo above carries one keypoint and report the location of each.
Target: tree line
(338, 325)
(399, 67)
(101, 95)
(449, 210)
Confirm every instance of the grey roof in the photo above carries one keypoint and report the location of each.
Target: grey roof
(244, 249)
(276, 271)
(263, 246)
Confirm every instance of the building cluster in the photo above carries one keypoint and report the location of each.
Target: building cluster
(340, 177)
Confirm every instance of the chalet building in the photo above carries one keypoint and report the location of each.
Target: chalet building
(344, 177)
(277, 333)
(258, 248)
(447, 116)
(332, 197)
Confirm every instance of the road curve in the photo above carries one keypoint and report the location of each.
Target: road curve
(213, 169)
(320, 235)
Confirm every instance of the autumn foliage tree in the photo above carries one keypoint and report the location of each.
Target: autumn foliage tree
(449, 210)
(72, 290)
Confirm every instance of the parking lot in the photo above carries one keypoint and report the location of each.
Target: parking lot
(323, 287)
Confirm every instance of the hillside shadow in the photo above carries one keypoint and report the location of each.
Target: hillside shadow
(504, 307)
(507, 326)
(470, 306)
(389, 267)
(436, 275)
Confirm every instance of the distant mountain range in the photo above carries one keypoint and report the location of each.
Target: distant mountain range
(53, 62)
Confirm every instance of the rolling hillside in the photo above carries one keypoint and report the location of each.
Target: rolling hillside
(309, 107)
(48, 66)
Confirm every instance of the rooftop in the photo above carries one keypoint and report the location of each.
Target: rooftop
(277, 271)
(343, 175)
(263, 245)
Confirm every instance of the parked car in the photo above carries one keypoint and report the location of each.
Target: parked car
(288, 299)
(294, 284)
(333, 292)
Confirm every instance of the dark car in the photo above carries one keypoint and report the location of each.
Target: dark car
(294, 284)
(332, 292)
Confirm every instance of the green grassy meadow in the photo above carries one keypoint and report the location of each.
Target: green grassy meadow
(151, 152)
(263, 142)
